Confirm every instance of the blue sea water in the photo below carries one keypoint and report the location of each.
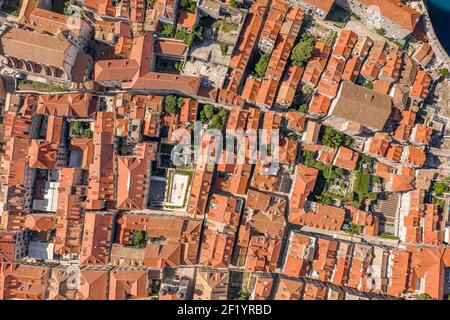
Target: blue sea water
(439, 11)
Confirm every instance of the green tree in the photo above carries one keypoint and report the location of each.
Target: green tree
(325, 198)
(218, 119)
(234, 4)
(303, 108)
(339, 171)
(172, 104)
(443, 72)
(331, 137)
(261, 65)
(354, 229)
(196, 35)
(189, 5)
(303, 50)
(208, 111)
(440, 188)
(307, 90)
(139, 238)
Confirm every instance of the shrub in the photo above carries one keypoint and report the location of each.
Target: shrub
(234, 4)
(355, 17)
(440, 188)
(354, 229)
(381, 31)
(167, 30)
(368, 85)
(223, 48)
(424, 296)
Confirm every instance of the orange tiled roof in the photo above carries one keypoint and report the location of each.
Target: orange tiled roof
(132, 183)
(320, 104)
(346, 158)
(187, 19)
(416, 156)
(422, 134)
(396, 11)
(345, 43)
(296, 120)
(325, 217)
(224, 210)
(265, 213)
(93, 285)
(304, 183)
(289, 289)
(21, 281)
(352, 68)
(403, 181)
(262, 254)
(420, 86)
(97, 237)
(216, 248)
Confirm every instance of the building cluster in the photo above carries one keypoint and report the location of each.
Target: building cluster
(92, 205)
